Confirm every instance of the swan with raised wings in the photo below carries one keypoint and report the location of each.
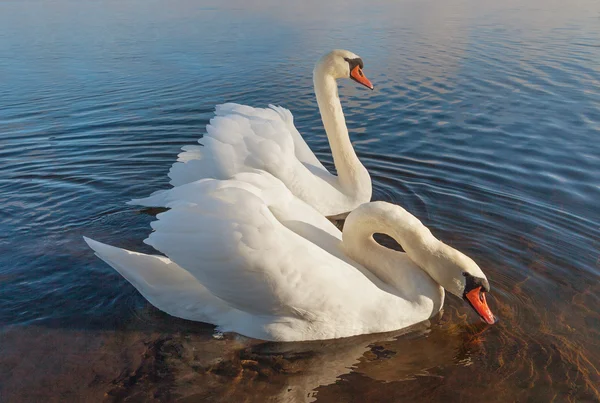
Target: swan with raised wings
(246, 255)
(242, 138)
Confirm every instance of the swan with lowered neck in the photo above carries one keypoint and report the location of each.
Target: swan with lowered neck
(241, 138)
(247, 255)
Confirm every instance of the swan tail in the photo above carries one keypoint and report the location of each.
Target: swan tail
(163, 283)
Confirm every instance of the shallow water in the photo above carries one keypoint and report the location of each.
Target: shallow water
(484, 123)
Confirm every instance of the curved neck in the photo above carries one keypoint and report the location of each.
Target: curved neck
(417, 241)
(353, 176)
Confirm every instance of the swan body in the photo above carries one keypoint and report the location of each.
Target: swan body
(247, 255)
(242, 138)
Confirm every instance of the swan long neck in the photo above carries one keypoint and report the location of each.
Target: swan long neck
(353, 176)
(380, 217)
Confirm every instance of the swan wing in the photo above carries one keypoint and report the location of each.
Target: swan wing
(274, 112)
(291, 211)
(240, 138)
(233, 244)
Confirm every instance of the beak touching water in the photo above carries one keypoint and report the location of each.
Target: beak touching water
(476, 298)
(357, 75)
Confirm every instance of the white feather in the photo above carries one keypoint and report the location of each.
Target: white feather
(242, 138)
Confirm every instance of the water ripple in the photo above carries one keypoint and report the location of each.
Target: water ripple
(483, 123)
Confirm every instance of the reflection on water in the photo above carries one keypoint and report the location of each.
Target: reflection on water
(483, 124)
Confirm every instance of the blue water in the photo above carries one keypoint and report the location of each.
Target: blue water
(484, 123)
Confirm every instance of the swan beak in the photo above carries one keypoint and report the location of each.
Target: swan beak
(476, 299)
(357, 75)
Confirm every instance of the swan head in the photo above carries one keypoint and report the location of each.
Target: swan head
(341, 63)
(461, 276)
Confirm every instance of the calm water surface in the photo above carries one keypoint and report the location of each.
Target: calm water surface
(485, 123)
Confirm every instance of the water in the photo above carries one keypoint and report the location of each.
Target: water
(484, 123)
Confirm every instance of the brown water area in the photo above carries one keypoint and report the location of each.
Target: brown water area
(541, 350)
(484, 124)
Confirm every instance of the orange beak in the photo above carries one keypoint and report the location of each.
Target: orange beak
(357, 75)
(477, 300)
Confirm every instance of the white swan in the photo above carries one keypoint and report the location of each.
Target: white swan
(241, 138)
(248, 256)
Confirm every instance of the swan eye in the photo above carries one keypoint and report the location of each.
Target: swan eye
(465, 274)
